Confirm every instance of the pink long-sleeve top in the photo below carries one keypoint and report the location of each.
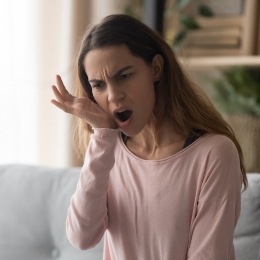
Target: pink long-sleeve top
(182, 207)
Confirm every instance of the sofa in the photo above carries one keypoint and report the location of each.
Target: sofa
(33, 207)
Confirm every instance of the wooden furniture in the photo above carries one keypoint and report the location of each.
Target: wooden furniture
(258, 31)
(247, 53)
(224, 35)
(211, 62)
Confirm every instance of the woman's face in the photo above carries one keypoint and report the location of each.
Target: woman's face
(123, 85)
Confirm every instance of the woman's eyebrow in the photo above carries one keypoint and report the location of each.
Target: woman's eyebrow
(95, 81)
(119, 72)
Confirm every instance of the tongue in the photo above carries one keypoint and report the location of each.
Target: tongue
(124, 116)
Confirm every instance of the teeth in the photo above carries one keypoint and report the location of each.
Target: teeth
(122, 110)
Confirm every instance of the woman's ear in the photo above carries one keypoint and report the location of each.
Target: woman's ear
(157, 65)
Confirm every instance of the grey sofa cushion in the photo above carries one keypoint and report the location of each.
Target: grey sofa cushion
(247, 233)
(33, 207)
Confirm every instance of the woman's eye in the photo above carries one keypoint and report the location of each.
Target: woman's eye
(97, 85)
(125, 76)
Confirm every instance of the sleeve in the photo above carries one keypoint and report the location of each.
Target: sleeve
(218, 206)
(87, 216)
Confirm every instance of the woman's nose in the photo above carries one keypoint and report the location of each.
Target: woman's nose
(115, 94)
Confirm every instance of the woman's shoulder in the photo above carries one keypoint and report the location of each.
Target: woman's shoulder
(217, 144)
(212, 138)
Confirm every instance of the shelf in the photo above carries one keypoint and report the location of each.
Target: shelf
(199, 63)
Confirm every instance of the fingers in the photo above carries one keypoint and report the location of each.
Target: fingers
(81, 107)
(60, 91)
(61, 85)
(63, 97)
(63, 105)
(57, 93)
(58, 104)
(63, 92)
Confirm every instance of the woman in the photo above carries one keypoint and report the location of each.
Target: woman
(163, 171)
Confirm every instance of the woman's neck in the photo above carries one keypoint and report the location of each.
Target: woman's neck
(152, 145)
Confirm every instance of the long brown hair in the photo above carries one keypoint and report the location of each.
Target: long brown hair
(178, 99)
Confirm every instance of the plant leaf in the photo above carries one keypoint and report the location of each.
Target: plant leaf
(204, 10)
(178, 39)
(181, 3)
(237, 91)
(188, 22)
(129, 10)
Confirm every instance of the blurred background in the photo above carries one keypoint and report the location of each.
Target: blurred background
(218, 43)
(39, 39)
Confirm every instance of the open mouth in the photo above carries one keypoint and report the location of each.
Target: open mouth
(123, 116)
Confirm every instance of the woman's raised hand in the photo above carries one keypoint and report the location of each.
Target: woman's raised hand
(81, 107)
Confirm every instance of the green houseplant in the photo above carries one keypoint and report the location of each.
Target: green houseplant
(238, 91)
(187, 22)
(237, 95)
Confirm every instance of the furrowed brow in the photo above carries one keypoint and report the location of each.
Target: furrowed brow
(97, 81)
(119, 72)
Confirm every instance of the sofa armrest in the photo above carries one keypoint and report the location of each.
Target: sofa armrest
(34, 202)
(247, 232)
